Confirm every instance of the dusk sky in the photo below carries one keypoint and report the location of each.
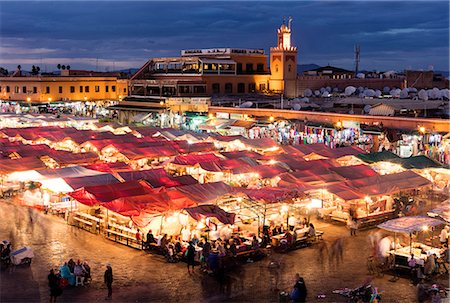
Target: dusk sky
(392, 35)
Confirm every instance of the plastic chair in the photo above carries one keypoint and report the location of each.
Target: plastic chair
(79, 280)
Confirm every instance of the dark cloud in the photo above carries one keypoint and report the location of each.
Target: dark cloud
(392, 35)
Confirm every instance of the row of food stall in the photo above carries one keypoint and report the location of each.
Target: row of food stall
(145, 178)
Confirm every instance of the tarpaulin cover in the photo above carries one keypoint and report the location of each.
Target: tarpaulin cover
(242, 154)
(317, 174)
(211, 211)
(143, 174)
(313, 165)
(224, 165)
(169, 181)
(185, 147)
(228, 138)
(65, 158)
(389, 184)
(260, 143)
(91, 195)
(378, 156)
(442, 211)
(191, 160)
(270, 194)
(409, 224)
(418, 162)
(346, 151)
(68, 172)
(344, 192)
(27, 150)
(203, 193)
(264, 171)
(80, 182)
(8, 166)
(109, 167)
(354, 172)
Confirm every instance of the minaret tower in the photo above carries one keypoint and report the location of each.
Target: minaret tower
(283, 63)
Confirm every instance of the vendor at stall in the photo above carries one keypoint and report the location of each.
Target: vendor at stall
(443, 236)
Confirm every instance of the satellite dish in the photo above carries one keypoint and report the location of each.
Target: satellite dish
(247, 104)
(367, 108)
(297, 107)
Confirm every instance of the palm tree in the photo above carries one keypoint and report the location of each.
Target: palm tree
(68, 67)
(19, 67)
(58, 66)
(33, 70)
(63, 67)
(38, 69)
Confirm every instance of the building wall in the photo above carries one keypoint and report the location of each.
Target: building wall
(316, 82)
(431, 125)
(36, 88)
(260, 82)
(425, 79)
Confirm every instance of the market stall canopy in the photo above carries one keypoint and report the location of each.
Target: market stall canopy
(385, 156)
(109, 167)
(442, 211)
(192, 159)
(63, 185)
(209, 211)
(409, 224)
(203, 193)
(260, 143)
(8, 166)
(225, 165)
(418, 162)
(263, 171)
(228, 138)
(345, 192)
(92, 195)
(68, 158)
(242, 154)
(346, 151)
(270, 194)
(67, 172)
(24, 151)
(184, 147)
(354, 172)
(143, 174)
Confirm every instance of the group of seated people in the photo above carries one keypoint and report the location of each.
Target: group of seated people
(72, 271)
(290, 234)
(174, 247)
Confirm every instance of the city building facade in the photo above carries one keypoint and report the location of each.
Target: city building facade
(71, 85)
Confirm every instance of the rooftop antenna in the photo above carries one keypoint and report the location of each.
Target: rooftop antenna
(357, 58)
(289, 22)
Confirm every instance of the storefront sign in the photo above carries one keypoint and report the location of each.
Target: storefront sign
(237, 116)
(350, 124)
(222, 115)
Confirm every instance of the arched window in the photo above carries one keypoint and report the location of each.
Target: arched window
(289, 68)
(276, 68)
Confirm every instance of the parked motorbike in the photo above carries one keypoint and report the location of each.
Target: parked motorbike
(365, 293)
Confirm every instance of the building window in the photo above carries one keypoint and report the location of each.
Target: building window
(124, 89)
(16, 89)
(24, 89)
(199, 89)
(260, 67)
(216, 88)
(107, 88)
(289, 68)
(262, 87)
(47, 89)
(72, 89)
(97, 88)
(228, 88)
(113, 88)
(241, 88)
(249, 67)
(239, 68)
(0, 89)
(81, 89)
(60, 89)
(34, 90)
(251, 87)
(86, 89)
(7, 89)
(276, 68)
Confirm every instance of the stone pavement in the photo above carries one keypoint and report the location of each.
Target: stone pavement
(140, 277)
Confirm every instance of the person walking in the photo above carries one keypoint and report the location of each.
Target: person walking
(190, 256)
(108, 277)
(53, 284)
(299, 292)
